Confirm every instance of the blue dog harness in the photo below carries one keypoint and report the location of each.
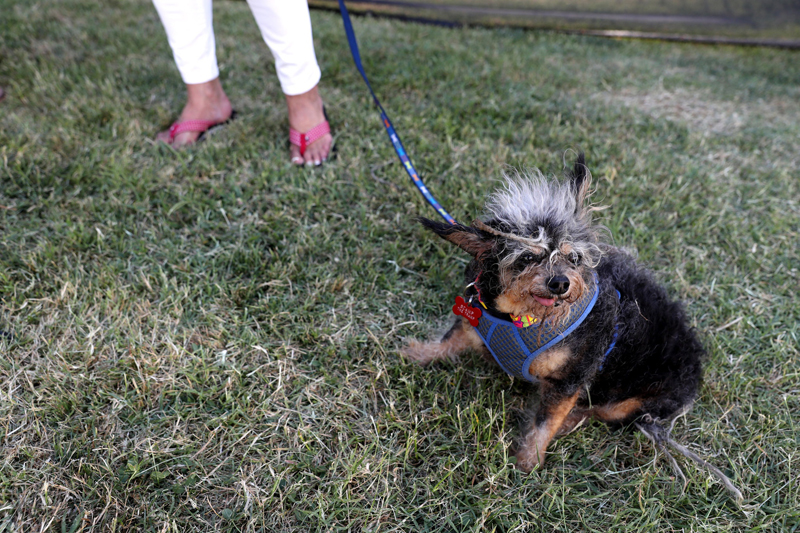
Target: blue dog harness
(515, 348)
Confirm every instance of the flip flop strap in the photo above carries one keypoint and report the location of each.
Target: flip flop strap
(190, 125)
(303, 140)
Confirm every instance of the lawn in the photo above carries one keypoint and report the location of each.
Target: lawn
(208, 339)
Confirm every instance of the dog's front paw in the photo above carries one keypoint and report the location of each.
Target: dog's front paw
(423, 353)
(528, 459)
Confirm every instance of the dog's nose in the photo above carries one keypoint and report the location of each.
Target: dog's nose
(558, 284)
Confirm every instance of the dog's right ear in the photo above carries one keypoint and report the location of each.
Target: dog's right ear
(468, 239)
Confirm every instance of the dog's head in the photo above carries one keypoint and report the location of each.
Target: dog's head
(535, 253)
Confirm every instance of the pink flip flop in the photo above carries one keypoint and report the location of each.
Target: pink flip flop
(203, 126)
(303, 140)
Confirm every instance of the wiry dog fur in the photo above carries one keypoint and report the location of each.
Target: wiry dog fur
(535, 254)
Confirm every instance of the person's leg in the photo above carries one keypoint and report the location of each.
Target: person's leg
(286, 28)
(188, 24)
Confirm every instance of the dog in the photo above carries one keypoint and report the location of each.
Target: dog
(552, 302)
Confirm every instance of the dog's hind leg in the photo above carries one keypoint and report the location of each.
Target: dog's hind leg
(458, 339)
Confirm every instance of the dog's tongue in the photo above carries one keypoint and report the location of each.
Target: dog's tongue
(547, 302)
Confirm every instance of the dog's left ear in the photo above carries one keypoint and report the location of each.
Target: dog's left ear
(469, 239)
(580, 179)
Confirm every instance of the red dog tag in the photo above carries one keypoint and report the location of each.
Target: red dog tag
(462, 308)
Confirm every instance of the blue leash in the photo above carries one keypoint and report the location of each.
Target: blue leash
(398, 145)
(401, 151)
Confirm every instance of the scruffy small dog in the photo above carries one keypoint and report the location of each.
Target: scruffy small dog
(552, 303)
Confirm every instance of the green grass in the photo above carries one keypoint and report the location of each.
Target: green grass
(207, 339)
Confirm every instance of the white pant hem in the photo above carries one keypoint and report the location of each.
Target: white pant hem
(302, 83)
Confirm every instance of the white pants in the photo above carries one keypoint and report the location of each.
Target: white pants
(284, 24)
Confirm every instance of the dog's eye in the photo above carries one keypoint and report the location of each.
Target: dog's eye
(575, 259)
(529, 257)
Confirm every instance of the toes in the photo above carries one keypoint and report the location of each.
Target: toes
(163, 136)
(182, 139)
(327, 143)
(294, 152)
(185, 139)
(318, 151)
(312, 156)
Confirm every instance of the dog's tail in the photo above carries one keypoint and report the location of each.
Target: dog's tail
(659, 434)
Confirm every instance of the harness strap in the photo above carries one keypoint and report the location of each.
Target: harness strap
(613, 340)
(515, 348)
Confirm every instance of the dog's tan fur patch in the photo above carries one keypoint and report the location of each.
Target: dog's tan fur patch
(549, 362)
(615, 412)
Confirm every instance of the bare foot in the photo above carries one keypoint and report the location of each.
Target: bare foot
(205, 101)
(305, 112)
